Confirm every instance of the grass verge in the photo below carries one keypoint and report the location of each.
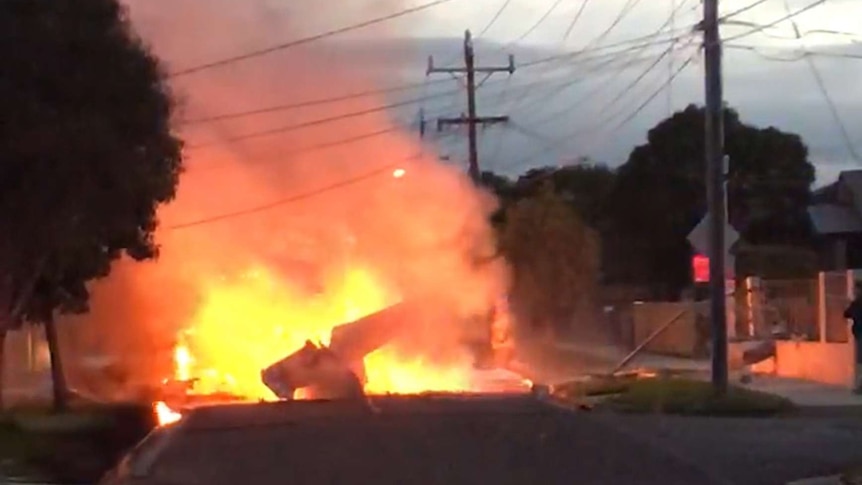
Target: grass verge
(682, 396)
(597, 386)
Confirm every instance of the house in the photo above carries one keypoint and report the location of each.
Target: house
(836, 217)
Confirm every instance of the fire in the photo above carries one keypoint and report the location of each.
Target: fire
(165, 415)
(246, 323)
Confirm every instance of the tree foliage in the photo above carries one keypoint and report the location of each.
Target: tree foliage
(660, 195)
(86, 150)
(554, 256)
(585, 187)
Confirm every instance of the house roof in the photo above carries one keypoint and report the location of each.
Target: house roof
(834, 219)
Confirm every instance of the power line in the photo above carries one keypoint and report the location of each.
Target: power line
(344, 97)
(562, 141)
(575, 19)
(798, 56)
(633, 43)
(311, 103)
(789, 16)
(657, 92)
(335, 118)
(627, 8)
(316, 147)
(287, 200)
(536, 25)
(609, 58)
(495, 18)
(307, 40)
(821, 85)
(634, 50)
(319, 121)
(562, 43)
(852, 37)
(603, 86)
(742, 10)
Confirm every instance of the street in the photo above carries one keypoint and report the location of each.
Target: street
(500, 440)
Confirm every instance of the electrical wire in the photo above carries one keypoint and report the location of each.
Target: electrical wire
(310, 148)
(536, 25)
(575, 19)
(635, 52)
(798, 56)
(318, 122)
(596, 91)
(821, 85)
(307, 40)
(655, 94)
(495, 18)
(634, 43)
(287, 200)
(789, 16)
(742, 10)
(564, 140)
(343, 97)
(622, 93)
(606, 59)
(627, 8)
(312, 102)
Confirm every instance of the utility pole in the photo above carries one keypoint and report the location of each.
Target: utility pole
(471, 119)
(715, 179)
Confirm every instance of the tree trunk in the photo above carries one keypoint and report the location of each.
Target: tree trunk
(58, 377)
(2, 367)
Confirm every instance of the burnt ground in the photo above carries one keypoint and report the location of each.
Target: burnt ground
(499, 440)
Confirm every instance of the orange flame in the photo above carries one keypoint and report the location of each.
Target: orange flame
(165, 415)
(245, 324)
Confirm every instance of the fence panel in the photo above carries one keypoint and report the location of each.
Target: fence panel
(792, 306)
(836, 292)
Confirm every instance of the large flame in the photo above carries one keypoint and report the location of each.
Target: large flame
(256, 254)
(247, 323)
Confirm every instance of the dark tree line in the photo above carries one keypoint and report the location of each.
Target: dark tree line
(644, 210)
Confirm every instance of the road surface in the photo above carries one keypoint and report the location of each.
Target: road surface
(459, 440)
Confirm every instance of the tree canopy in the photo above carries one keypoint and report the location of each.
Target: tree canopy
(660, 194)
(86, 151)
(554, 257)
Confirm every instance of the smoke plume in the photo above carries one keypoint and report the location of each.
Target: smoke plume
(404, 226)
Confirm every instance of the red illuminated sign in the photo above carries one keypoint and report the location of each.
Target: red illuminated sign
(700, 268)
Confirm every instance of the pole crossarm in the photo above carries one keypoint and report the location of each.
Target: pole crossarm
(471, 119)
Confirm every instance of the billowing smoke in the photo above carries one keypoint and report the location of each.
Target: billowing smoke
(377, 217)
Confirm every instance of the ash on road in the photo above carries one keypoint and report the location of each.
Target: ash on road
(437, 440)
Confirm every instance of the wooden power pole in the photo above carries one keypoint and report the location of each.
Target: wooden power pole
(471, 119)
(715, 179)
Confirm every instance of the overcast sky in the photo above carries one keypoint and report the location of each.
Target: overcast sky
(766, 91)
(569, 109)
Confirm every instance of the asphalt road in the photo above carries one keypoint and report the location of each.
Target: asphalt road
(495, 440)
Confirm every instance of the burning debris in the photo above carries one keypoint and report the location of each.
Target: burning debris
(246, 294)
(316, 373)
(337, 371)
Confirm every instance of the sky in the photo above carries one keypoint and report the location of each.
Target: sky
(567, 110)
(764, 90)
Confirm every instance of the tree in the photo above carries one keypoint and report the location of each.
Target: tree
(660, 195)
(86, 156)
(554, 257)
(585, 186)
(504, 189)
